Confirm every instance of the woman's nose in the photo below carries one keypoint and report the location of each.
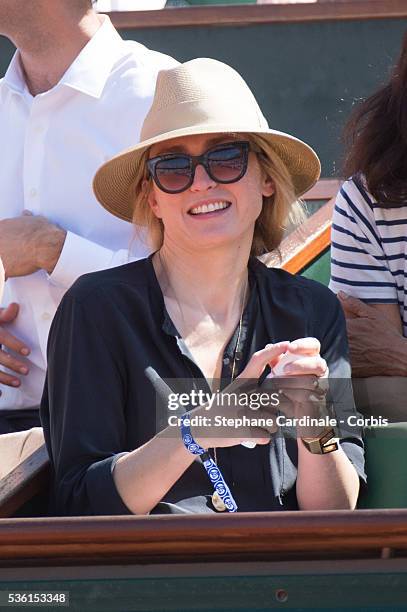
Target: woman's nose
(202, 180)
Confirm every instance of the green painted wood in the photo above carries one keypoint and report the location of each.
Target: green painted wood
(385, 451)
(305, 75)
(6, 53)
(319, 269)
(371, 592)
(385, 447)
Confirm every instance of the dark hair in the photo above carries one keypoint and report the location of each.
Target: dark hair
(376, 135)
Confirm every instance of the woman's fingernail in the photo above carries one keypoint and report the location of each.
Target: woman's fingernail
(24, 370)
(15, 383)
(25, 351)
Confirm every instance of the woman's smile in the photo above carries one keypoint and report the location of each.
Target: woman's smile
(210, 208)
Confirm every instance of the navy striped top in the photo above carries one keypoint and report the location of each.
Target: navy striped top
(369, 248)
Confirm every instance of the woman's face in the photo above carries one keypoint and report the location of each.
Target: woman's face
(185, 222)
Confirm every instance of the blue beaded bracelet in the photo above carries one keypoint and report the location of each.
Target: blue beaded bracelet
(213, 471)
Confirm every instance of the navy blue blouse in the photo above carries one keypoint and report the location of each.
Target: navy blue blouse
(111, 345)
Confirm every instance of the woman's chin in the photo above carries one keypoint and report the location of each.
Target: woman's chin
(210, 241)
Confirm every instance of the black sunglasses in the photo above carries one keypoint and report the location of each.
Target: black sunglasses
(175, 172)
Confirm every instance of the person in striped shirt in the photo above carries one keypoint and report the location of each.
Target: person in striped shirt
(369, 231)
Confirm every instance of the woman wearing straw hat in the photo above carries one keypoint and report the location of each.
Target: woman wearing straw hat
(132, 348)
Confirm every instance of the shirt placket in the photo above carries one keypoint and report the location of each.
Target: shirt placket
(34, 185)
(34, 149)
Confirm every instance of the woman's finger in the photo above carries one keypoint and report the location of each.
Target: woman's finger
(300, 396)
(262, 358)
(306, 366)
(305, 346)
(309, 383)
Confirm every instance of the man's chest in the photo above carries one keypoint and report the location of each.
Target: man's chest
(50, 158)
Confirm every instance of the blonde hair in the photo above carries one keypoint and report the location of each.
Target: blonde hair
(280, 212)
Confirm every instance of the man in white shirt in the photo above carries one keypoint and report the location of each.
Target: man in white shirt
(73, 96)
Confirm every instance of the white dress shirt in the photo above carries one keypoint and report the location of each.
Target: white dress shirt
(52, 145)
(129, 5)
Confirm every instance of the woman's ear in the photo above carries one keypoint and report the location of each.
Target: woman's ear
(149, 189)
(268, 187)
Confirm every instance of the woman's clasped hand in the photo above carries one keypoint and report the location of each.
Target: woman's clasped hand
(238, 413)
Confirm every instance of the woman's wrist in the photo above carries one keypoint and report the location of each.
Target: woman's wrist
(200, 425)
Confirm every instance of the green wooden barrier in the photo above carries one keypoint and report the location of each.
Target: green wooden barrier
(354, 590)
(386, 467)
(320, 269)
(306, 76)
(385, 447)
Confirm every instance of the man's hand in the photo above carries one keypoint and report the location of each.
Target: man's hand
(29, 243)
(2, 278)
(7, 315)
(377, 347)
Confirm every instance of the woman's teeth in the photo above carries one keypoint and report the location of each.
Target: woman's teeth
(205, 208)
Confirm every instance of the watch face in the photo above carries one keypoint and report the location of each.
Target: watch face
(322, 445)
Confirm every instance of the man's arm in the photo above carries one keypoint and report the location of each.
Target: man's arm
(30, 243)
(376, 342)
(390, 312)
(80, 256)
(27, 244)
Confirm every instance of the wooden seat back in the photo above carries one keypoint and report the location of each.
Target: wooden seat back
(313, 238)
(24, 469)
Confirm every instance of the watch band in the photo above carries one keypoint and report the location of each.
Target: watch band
(322, 445)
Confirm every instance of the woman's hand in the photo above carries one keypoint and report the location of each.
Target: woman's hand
(222, 427)
(300, 383)
(226, 421)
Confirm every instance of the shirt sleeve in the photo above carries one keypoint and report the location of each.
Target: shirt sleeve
(80, 256)
(358, 262)
(82, 411)
(334, 349)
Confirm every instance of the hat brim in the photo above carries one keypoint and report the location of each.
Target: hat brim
(113, 183)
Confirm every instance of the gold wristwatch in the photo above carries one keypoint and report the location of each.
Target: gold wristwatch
(323, 444)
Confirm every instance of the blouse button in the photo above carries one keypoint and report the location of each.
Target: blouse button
(226, 361)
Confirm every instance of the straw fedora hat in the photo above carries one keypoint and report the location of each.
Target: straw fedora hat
(202, 96)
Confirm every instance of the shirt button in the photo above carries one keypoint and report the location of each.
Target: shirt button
(46, 316)
(226, 361)
(33, 192)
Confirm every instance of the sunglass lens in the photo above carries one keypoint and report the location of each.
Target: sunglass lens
(173, 174)
(227, 164)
